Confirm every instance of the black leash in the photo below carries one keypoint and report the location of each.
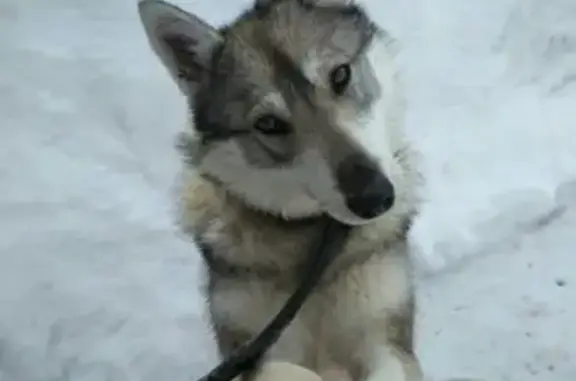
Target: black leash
(323, 250)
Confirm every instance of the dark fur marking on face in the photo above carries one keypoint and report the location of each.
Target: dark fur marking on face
(210, 128)
(288, 75)
(231, 81)
(214, 124)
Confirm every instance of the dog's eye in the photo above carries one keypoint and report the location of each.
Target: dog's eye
(271, 125)
(340, 78)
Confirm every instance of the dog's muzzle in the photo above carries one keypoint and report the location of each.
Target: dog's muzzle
(367, 191)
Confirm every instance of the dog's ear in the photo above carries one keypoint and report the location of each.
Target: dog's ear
(182, 41)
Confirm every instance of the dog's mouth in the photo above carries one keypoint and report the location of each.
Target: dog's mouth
(359, 209)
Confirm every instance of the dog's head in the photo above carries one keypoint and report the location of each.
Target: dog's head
(295, 104)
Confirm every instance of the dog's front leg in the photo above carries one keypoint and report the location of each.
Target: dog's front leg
(368, 317)
(387, 312)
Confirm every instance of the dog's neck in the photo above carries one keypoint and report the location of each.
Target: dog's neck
(213, 211)
(207, 198)
(262, 243)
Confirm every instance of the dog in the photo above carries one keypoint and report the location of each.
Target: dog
(296, 110)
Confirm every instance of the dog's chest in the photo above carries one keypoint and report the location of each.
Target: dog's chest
(266, 265)
(262, 249)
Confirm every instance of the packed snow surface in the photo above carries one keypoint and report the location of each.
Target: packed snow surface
(97, 284)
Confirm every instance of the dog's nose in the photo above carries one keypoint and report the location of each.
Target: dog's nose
(367, 191)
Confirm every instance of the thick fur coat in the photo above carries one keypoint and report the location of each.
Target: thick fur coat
(289, 104)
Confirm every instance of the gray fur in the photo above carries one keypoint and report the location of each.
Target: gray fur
(251, 201)
(245, 57)
(256, 66)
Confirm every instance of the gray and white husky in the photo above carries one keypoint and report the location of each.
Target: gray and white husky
(297, 111)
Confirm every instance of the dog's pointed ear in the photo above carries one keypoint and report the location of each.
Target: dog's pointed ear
(182, 41)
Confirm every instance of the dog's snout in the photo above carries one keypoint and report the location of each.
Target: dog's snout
(367, 191)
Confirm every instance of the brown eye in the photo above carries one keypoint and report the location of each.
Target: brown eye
(340, 78)
(271, 125)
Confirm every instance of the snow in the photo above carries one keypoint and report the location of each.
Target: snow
(97, 283)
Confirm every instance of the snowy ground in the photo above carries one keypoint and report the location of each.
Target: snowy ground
(96, 284)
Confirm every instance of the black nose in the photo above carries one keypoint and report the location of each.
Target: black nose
(367, 191)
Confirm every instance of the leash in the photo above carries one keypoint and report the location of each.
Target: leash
(323, 250)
